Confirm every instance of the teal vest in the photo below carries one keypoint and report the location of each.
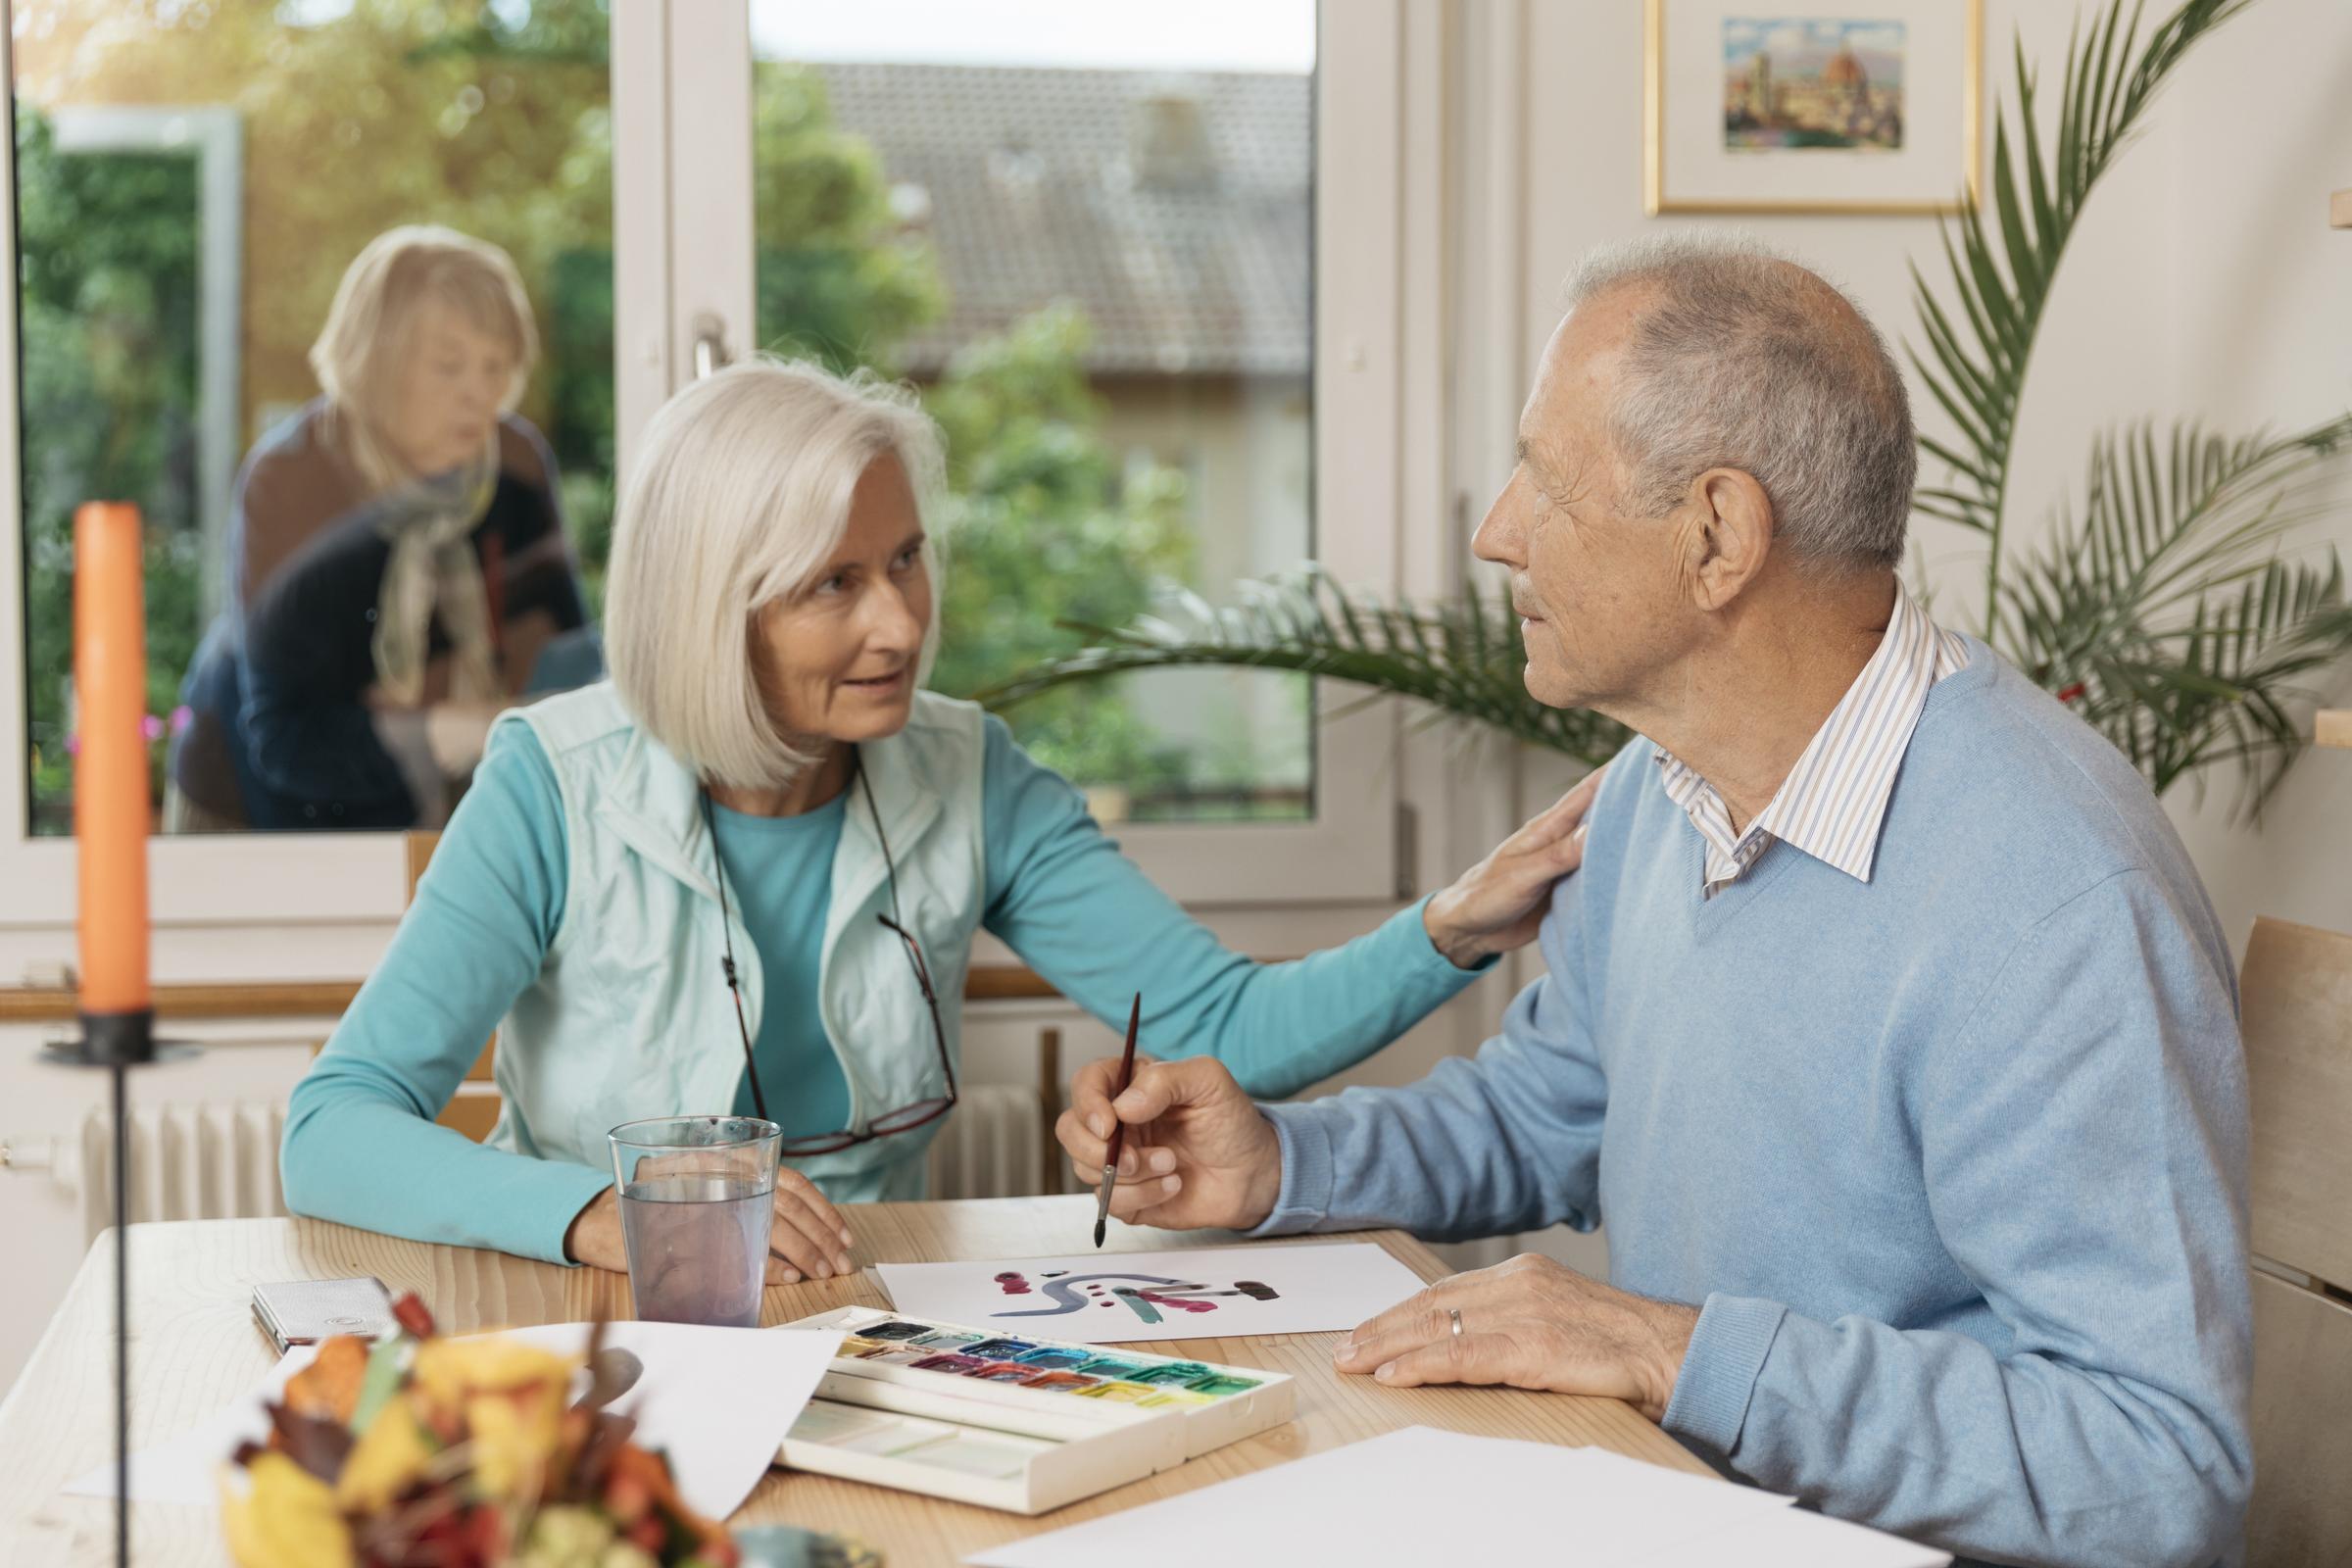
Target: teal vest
(629, 1015)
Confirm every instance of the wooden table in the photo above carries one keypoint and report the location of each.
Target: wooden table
(194, 1348)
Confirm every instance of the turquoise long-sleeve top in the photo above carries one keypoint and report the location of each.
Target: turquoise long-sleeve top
(361, 1144)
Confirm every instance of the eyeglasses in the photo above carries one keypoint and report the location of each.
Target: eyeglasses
(905, 1119)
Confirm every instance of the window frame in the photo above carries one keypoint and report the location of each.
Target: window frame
(679, 79)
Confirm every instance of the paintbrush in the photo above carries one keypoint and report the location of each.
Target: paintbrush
(1118, 1128)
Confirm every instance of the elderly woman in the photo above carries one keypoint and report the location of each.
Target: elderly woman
(747, 872)
(397, 558)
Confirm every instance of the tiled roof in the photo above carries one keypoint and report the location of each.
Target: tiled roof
(1172, 209)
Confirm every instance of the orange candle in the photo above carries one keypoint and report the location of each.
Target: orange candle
(111, 803)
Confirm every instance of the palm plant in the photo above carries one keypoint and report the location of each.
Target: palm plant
(2173, 606)
(1462, 660)
(2163, 608)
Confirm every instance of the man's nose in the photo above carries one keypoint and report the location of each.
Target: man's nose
(1501, 536)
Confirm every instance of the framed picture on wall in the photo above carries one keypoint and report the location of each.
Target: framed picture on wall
(1812, 106)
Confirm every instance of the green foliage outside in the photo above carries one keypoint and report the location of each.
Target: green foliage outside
(837, 281)
(107, 309)
(495, 120)
(1044, 532)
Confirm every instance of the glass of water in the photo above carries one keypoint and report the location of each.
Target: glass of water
(697, 1196)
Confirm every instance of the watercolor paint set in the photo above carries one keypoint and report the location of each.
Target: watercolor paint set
(1013, 1422)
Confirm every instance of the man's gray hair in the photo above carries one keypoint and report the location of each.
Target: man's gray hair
(1741, 359)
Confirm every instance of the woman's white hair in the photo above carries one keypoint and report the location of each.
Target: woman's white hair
(740, 494)
(371, 330)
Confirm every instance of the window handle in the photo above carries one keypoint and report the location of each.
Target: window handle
(709, 344)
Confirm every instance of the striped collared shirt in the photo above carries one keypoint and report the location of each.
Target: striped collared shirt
(1835, 799)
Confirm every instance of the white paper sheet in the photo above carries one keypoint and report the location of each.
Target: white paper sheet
(1199, 1293)
(717, 1400)
(1794, 1538)
(1424, 1496)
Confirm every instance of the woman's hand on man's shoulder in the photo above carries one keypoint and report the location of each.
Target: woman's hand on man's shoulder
(1498, 905)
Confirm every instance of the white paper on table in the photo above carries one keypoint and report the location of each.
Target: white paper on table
(716, 1401)
(1192, 1294)
(1795, 1539)
(184, 1468)
(1424, 1496)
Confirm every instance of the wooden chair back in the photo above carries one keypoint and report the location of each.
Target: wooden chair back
(2296, 1005)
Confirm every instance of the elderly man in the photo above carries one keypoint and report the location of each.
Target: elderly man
(1886, 1023)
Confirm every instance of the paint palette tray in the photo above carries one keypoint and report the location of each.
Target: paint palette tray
(1025, 1425)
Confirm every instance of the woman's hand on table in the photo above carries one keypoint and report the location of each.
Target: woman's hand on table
(1531, 1323)
(807, 1240)
(1196, 1152)
(1498, 903)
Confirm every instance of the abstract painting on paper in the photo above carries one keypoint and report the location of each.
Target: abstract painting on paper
(1199, 1293)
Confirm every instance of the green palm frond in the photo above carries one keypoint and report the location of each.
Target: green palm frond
(2223, 688)
(2166, 615)
(1463, 660)
(2164, 529)
(2001, 272)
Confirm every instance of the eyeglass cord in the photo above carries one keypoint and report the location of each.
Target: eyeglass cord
(726, 920)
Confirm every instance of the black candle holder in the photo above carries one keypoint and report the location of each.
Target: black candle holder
(115, 1043)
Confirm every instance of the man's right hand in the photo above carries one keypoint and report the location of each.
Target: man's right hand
(1197, 1150)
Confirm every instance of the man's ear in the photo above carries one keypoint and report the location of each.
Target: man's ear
(1728, 537)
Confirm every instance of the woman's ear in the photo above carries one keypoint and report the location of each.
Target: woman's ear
(1730, 537)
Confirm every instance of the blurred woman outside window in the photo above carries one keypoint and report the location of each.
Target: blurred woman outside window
(397, 560)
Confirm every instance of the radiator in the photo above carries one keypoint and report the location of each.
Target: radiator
(204, 1160)
(993, 1146)
(187, 1162)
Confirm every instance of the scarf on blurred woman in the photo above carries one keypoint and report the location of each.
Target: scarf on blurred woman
(434, 568)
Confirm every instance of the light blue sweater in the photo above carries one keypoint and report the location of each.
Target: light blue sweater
(1954, 1160)
(361, 1144)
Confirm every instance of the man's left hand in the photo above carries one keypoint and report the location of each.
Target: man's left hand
(1534, 1324)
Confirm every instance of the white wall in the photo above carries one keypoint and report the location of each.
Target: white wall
(2258, 317)
(2203, 280)
(42, 1180)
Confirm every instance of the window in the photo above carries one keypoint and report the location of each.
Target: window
(1149, 381)
(1086, 232)
(193, 184)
